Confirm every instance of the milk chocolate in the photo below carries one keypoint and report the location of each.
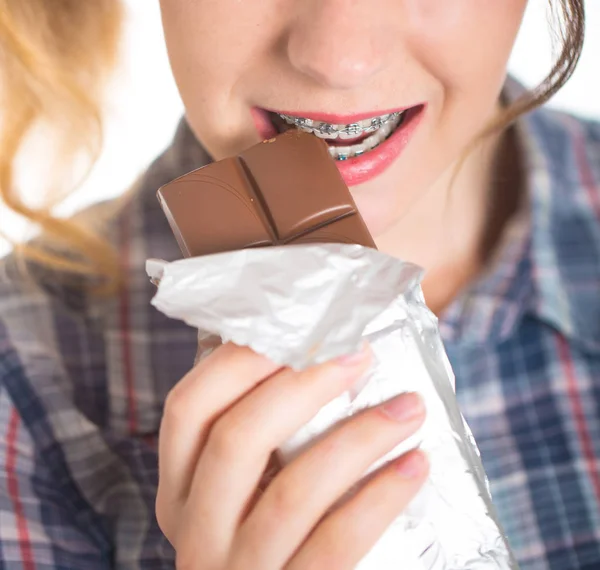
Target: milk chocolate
(287, 190)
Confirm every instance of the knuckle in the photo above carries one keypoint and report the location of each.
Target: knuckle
(166, 529)
(227, 438)
(177, 404)
(163, 515)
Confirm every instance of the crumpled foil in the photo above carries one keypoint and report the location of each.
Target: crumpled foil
(302, 305)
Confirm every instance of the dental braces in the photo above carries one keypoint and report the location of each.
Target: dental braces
(350, 130)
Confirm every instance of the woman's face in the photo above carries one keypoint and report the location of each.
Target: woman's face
(426, 74)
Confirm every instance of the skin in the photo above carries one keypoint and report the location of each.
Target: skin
(218, 502)
(333, 56)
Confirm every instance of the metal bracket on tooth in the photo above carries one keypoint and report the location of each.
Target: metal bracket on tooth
(353, 129)
(329, 130)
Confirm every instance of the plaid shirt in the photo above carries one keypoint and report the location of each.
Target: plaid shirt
(83, 381)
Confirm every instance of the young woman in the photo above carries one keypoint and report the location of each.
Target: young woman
(497, 199)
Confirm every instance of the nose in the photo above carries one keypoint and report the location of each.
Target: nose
(338, 43)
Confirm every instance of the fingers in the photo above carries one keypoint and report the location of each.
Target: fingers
(346, 535)
(241, 440)
(203, 394)
(273, 467)
(301, 494)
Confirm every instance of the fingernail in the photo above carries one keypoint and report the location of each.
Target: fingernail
(354, 359)
(404, 407)
(411, 465)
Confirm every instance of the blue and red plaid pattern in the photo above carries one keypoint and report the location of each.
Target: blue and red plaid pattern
(83, 381)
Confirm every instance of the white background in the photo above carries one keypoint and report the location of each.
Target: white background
(145, 107)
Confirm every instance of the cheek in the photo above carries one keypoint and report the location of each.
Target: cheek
(213, 46)
(465, 44)
(460, 48)
(204, 44)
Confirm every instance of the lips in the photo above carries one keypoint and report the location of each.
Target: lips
(364, 168)
(357, 169)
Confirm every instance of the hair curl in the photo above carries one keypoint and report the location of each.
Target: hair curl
(55, 59)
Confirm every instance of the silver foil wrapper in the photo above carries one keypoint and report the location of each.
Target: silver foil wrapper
(302, 305)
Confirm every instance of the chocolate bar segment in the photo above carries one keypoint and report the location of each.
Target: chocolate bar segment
(286, 190)
(299, 183)
(213, 209)
(346, 230)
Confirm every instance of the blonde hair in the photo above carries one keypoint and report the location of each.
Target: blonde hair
(55, 56)
(55, 60)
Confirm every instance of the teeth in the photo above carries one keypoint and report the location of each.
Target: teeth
(325, 134)
(372, 141)
(378, 129)
(345, 132)
(345, 152)
(351, 131)
(386, 129)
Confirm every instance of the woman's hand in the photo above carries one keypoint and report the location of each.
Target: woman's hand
(222, 423)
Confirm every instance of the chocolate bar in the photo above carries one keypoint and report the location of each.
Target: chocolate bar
(286, 190)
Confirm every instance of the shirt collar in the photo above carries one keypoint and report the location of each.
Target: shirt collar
(547, 264)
